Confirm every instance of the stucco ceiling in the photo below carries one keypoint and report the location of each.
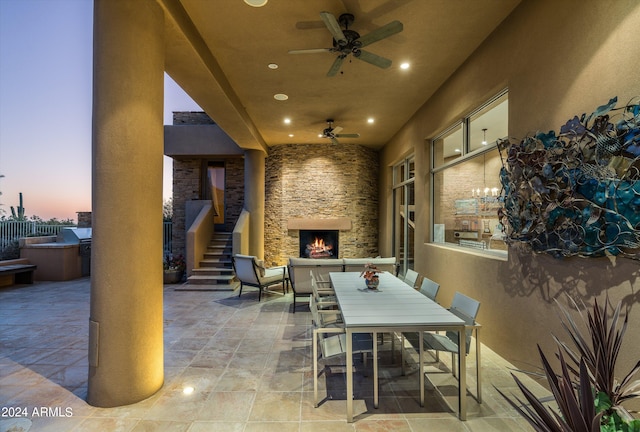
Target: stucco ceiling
(219, 52)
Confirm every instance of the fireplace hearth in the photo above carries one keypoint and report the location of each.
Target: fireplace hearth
(319, 244)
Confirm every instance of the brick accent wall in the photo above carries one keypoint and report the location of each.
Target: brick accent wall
(186, 187)
(84, 219)
(187, 183)
(324, 182)
(191, 118)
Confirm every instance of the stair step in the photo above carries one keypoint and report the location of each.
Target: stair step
(211, 280)
(217, 258)
(213, 262)
(220, 257)
(213, 271)
(220, 250)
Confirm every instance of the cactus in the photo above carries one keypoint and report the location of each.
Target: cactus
(19, 214)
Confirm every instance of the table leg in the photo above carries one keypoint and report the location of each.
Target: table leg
(315, 368)
(420, 373)
(462, 369)
(375, 370)
(402, 354)
(478, 362)
(349, 376)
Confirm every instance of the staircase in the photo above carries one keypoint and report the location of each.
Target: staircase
(216, 270)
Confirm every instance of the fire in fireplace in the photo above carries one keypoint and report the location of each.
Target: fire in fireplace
(319, 244)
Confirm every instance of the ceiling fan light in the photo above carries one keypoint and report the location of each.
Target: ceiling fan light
(256, 3)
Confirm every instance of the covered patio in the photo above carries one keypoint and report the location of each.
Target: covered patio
(249, 365)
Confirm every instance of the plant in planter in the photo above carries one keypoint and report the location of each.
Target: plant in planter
(174, 267)
(587, 394)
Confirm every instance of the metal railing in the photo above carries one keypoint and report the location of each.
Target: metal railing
(13, 230)
(167, 232)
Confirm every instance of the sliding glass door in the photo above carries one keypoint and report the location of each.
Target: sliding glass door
(404, 213)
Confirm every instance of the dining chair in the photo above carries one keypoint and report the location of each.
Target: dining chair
(429, 288)
(250, 273)
(331, 339)
(411, 277)
(465, 308)
(321, 316)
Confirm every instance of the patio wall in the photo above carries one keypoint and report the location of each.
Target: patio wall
(558, 59)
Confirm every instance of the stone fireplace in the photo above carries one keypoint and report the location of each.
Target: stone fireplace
(319, 244)
(321, 187)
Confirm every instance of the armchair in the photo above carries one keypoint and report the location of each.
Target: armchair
(250, 273)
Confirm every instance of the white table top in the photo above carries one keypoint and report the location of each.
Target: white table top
(393, 304)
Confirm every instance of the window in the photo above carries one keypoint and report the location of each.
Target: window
(465, 179)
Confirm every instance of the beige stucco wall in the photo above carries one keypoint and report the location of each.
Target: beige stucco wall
(558, 59)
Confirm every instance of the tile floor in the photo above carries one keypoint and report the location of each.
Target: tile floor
(249, 363)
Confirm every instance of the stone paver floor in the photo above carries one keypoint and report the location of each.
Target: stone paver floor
(249, 364)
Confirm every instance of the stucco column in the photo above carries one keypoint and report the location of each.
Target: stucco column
(125, 328)
(254, 172)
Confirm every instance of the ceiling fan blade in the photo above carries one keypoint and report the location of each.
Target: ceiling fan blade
(336, 130)
(374, 59)
(335, 141)
(335, 67)
(333, 26)
(347, 135)
(310, 51)
(383, 32)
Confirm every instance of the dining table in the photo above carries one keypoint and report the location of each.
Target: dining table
(392, 307)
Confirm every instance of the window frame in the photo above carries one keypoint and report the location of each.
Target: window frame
(465, 156)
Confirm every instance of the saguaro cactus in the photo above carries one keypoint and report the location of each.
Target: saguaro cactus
(19, 214)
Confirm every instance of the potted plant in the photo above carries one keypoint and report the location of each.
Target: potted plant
(174, 267)
(370, 275)
(587, 395)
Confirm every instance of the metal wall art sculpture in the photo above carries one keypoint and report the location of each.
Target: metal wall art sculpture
(577, 193)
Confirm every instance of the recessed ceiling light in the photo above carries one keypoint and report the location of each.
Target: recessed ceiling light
(287, 120)
(272, 66)
(280, 96)
(290, 135)
(370, 120)
(320, 135)
(188, 390)
(404, 66)
(256, 3)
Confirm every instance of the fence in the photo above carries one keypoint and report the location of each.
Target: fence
(167, 232)
(13, 230)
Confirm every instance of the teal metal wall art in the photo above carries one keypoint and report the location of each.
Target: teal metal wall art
(578, 192)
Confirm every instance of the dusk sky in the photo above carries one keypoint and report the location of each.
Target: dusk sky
(45, 107)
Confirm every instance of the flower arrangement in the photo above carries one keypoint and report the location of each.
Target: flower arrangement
(370, 275)
(174, 263)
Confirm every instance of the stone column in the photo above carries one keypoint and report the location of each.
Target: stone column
(126, 327)
(254, 175)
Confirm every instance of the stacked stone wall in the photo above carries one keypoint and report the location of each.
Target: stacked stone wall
(321, 182)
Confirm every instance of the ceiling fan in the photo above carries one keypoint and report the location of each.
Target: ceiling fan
(333, 133)
(348, 41)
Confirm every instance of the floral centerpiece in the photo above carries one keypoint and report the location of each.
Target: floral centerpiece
(174, 267)
(370, 275)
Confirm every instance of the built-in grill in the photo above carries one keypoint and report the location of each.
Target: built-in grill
(81, 237)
